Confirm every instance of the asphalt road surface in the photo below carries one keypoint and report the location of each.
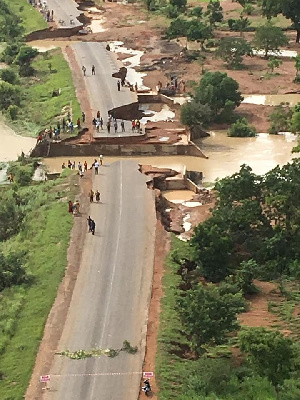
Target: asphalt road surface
(66, 11)
(112, 293)
(102, 87)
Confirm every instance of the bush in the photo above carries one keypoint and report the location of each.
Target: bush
(280, 119)
(241, 128)
(9, 75)
(171, 11)
(196, 12)
(9, 95)
(178, 27)
(26, 70)
(12, 270)
(13, 112)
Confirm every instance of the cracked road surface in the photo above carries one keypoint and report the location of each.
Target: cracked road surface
(102, 88)
(112, 293)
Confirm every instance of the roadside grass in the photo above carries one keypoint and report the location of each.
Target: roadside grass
(40, 109)
(45, 237)
(32, 20)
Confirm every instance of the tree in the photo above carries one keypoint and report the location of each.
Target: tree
(180, 4)
(297, 66)
(213, 249)
(178, 27)
(269, 352)
(274, 63)
(280, 119)
(270, 8)
(194, 113)
(238, 25)
(241, 128)
(295, 122)
(232, 51)
(209, 315)
(245, 274)
(219, 91)
(197, 30)
(26, 55)
(269, 38)
(196, 12)
(9, 95)
(291, 10)
(214, 12)
(12, 270)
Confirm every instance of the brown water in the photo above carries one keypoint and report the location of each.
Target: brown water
(225, 155)
(44, 45)
(12, 145)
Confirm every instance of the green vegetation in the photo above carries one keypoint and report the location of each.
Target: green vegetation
(33, 259)
(252, 234)
(232, 51)
(214, 99)
(41, 108)
(31, 19)
(241, 128)
(269, 38)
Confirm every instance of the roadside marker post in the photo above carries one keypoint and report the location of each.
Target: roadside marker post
(45, 379)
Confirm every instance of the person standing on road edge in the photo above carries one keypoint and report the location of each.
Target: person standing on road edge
(93, 70)
(83, 117)
(123, 126)
(93, 227)
(91, 196)
(96, 167)
(83, 70)
(119, 86)
(101, 159)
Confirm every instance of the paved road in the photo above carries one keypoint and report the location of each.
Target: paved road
(65, 10)
(102, 88)
(112, 292)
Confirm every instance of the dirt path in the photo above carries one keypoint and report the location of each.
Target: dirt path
(56, 319)
(162, 247)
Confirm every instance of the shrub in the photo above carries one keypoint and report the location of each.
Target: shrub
(241, 128)
(13, 112)
(9, 95)
(9, 75)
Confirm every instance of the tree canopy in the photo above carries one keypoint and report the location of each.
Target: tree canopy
(269, 38)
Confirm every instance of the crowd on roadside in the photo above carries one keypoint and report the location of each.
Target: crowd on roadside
(42, 6)
(65, 125)
(113, 124)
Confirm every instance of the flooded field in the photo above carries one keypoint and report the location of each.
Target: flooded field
(272, 99)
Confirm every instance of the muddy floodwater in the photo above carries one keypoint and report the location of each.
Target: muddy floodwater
(225, 155)
(12, 145)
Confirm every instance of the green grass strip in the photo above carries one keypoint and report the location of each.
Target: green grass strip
(32, 19)
(40, 109)
(46, 235)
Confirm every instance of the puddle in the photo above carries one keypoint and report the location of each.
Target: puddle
(163, 114)
(178, 196)
(281, 53)
(134, 60)
(272, 99)
(96, 25)
(191, 204)
(186, 226)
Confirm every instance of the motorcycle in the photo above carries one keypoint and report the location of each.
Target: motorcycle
(147, 388)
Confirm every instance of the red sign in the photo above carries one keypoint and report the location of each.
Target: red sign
(45, 378)
(148, 374)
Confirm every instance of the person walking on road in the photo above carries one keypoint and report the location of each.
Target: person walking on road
(119, 86)
(93, 70)
(97, 194)
(85, 166)
(93, 227)
(83, 70)
(89, 220)
(83, 117)
(108, 126)
(98, 114)
(91, 196)
(96, 167)
(123, 126)
(116, 126)
(101, 159)
(101, 123)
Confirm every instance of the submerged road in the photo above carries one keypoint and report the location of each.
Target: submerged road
(112, 293)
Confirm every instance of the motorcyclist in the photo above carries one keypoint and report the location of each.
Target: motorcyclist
(147, 387)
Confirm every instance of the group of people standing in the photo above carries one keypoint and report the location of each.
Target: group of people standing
(111, 123)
